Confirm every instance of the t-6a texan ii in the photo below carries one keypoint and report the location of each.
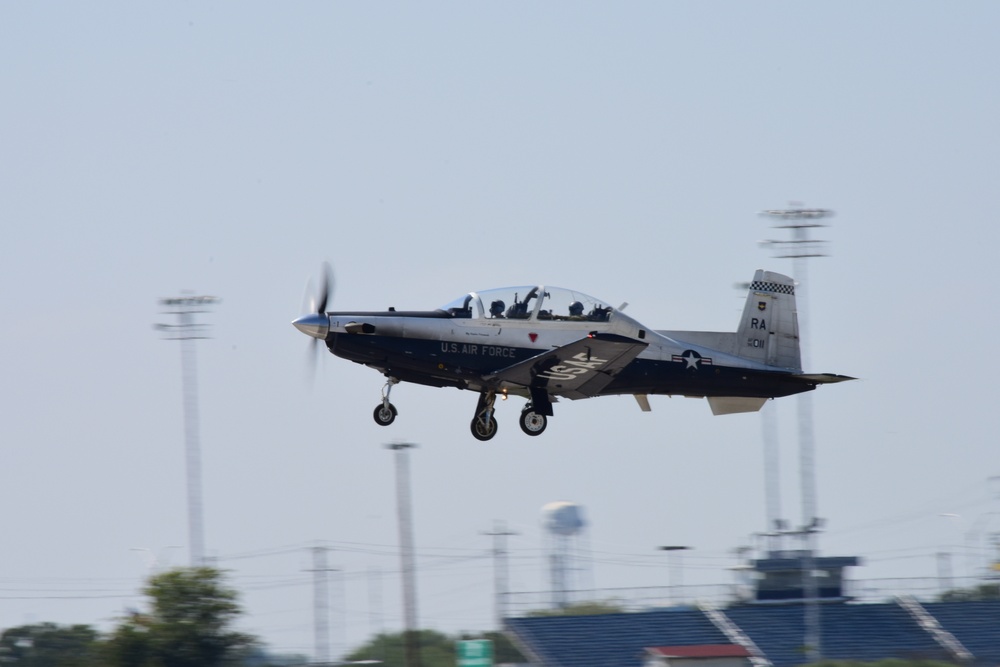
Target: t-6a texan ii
(545, 343)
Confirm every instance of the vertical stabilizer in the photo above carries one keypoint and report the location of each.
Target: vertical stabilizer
(769, 328)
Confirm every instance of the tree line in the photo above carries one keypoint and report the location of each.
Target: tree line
(189, 623)
(190, 619)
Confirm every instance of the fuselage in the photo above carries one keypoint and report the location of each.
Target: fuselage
(547, 343)
(450, 348)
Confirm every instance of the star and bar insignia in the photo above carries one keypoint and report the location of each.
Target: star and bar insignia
(692, 359)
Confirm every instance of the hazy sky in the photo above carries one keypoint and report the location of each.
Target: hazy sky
(428, 149)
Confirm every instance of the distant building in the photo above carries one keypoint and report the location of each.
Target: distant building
(780, 576)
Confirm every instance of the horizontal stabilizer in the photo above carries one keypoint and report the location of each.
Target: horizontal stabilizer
(822, 378)
(731, 405)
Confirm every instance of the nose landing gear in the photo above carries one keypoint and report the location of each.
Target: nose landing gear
(385, 412)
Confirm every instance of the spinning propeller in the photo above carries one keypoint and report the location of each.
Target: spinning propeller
(316, 323)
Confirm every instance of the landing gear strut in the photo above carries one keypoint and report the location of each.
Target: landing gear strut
(484, 424)
(385, 412)
(532, 423)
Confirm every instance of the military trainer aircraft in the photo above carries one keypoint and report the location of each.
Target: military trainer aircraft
(545, 343)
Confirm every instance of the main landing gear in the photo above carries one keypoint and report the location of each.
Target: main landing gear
(532, 423)
(484, 424)
(385, 412)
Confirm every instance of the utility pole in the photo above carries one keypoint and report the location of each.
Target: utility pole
(499, 534)
(801, 222)
(406, 557)
(374, 601)
(321, 606)
(672, 565)
(945, 582)
(187, 331)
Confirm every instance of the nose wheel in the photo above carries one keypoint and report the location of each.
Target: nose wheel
(385, 412)
(484, 424)
(384, 415)
(531, 422)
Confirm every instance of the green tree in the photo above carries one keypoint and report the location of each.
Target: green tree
(49, 645)
(390, 649)
(436, 649)
(258, 657)
(978, 593)
(188, 624)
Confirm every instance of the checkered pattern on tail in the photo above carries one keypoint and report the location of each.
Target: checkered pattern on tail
(764, 286)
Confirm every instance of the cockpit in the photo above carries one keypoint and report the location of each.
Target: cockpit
(529, 303)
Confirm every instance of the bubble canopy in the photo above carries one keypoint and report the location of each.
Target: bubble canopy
(529, 303)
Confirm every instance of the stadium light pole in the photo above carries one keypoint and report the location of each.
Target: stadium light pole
(406, 557)
(187, 331)
(801, 222)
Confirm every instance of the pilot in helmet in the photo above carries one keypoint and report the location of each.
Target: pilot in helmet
(576, 309)
(496, 308)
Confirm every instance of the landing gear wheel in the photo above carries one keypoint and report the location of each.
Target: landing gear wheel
(531, 422)
(484, 424)
(484, 430)
(384, 414)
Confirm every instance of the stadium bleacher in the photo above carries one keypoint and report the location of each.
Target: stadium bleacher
(976, 624)
(611, 640)
(849, 631)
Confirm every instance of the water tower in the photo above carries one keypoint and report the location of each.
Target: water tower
(563, 522)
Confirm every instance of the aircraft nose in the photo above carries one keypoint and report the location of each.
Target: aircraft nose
(315, 325)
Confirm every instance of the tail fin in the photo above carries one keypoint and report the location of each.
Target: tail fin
(769, 329)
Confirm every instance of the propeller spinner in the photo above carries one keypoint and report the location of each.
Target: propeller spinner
(316, 323)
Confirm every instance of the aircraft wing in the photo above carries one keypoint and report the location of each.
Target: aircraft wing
(578, 370)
